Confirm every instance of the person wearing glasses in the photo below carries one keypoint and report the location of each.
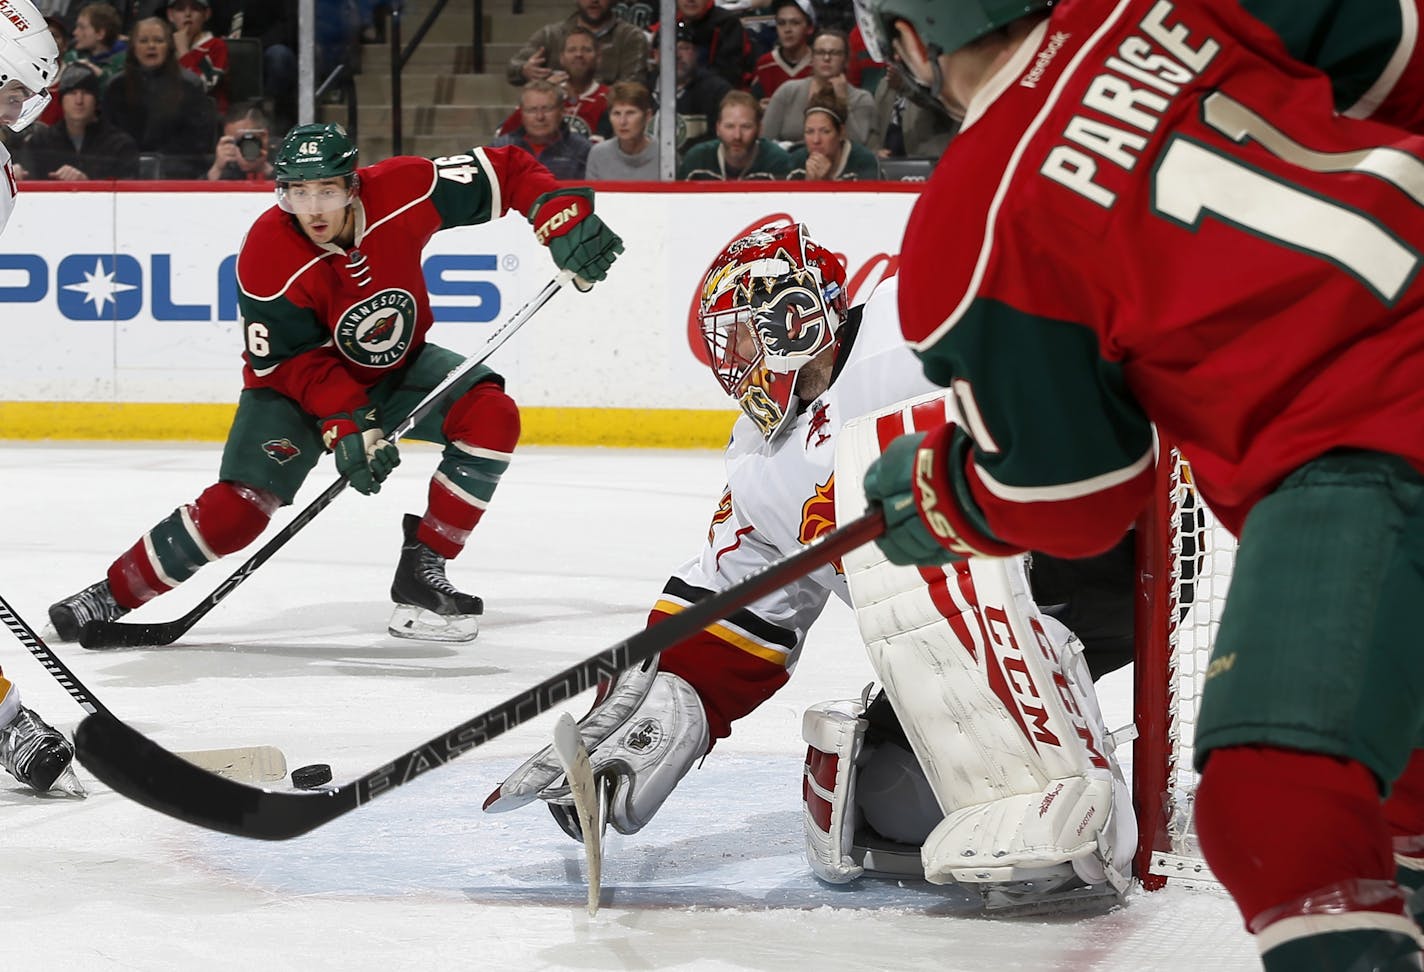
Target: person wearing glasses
(786, 112)
(542, 132)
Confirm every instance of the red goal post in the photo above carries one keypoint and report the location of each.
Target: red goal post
(1184, 561)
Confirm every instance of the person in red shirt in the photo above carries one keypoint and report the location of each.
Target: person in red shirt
(335, 315)
(199, 51)
(585, 97)
(1155, 221)
(791, 58)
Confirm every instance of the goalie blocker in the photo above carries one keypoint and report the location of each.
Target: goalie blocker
(1012, 788)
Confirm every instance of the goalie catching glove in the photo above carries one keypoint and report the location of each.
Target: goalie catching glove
(643, 734)
(578, 240)
(359, 443)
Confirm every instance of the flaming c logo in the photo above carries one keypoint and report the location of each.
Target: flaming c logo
(818, 516)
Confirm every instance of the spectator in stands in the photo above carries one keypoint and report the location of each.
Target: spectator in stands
(161, 105)
(699, 93)
(791, 58)
(622, 48)
(826, 153)
(722, 44)
(629, 153)
(739, 153)
(199, 50)
(585, 97)
(274, 23)
(786, 113)
(241, 152)
(543, 134)
(82, 145)
(904, 128)
(97, 40)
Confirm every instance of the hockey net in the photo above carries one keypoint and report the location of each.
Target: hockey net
(1184, 566)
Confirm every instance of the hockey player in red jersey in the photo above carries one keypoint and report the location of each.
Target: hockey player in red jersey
(30, 749)
(942, 777)
(1161, 223)
(335, 313)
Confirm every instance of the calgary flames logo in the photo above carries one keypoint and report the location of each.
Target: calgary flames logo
(792, 323)
(818, 516)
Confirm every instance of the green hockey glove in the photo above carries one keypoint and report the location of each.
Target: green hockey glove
(890, 481)
(578, 240)
(362, 453)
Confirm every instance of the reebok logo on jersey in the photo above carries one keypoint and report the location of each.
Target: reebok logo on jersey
(377, 331)
(1044, 59)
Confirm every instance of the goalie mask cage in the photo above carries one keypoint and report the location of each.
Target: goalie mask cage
(1184, 560)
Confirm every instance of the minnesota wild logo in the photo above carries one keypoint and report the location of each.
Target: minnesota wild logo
(376, 333)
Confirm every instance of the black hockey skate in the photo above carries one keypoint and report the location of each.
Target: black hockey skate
(428, 606)
(37, 755)
(94, 603)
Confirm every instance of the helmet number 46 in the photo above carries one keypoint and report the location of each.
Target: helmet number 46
(458, 168)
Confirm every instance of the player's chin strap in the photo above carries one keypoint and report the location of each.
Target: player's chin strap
(642, 735)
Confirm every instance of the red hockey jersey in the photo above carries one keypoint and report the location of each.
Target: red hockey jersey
(1153, 214)
(322, 324)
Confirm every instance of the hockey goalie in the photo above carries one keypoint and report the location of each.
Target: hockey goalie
(983, 761)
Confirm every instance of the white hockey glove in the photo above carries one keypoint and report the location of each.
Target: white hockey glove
(642, 737)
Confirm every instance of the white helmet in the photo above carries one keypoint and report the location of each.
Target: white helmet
(27, 56)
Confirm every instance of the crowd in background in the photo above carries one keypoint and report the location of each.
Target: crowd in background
(145, 92)
(764, 89)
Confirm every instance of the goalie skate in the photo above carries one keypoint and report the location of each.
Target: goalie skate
(1058, 890)
(428, 606)
(96, 602)
(37, 755)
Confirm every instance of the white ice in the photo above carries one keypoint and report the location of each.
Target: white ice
(575, 548)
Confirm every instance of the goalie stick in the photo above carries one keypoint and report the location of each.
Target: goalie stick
(120, 634)
(246, 764)
(140, 769)
(588, 801)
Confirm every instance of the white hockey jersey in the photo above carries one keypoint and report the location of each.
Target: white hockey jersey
(779, 497)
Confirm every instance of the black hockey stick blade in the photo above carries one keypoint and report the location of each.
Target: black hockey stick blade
(143, 771)
(99, 635)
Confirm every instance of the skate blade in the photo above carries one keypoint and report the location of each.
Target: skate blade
(1021, 902)
(418, 624)
(68, 784)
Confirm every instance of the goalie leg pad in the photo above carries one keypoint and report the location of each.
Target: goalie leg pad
(835, 738)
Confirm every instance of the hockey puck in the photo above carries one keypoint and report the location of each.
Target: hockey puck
(309, 777)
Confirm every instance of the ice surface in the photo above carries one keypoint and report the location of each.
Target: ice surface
(574, 550)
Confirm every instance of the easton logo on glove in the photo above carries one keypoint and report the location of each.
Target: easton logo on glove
(929, 504)
(566, 211)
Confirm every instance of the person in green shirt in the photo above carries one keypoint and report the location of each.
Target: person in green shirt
(739, 152)
(827, 153)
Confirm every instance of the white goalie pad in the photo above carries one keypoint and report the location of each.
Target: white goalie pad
(835, 735)
(1012, 744)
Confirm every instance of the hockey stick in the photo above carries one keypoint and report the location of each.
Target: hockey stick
(119, 634)
(588, 797)
(244, 764)
(142, 770)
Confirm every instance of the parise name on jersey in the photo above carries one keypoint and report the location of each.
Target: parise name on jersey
(1135, 89)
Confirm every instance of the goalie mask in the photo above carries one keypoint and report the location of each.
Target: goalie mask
(772, 302)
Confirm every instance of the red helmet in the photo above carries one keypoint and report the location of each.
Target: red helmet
(773, 300)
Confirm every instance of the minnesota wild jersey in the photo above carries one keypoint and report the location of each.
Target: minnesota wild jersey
(322, 324)
(1153, 210)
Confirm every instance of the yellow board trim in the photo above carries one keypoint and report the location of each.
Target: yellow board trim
(652, 428)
